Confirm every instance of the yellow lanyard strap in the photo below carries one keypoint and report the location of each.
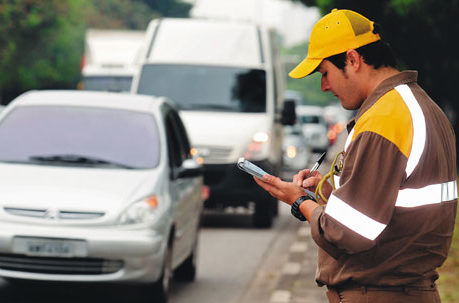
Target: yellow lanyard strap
(334, 170)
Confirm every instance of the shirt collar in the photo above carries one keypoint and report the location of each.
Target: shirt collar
(404, 77)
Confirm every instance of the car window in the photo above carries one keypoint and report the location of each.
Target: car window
(179, 146)
(128, 138)
(208, 88)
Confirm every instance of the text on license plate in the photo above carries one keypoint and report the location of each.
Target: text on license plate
(49, 247)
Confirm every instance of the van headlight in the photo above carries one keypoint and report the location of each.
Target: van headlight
(141, 211)
(255, 149)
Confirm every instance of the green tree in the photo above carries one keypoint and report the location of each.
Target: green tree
(119, 14)
(309, 87)
(170, 8)
(40, 45)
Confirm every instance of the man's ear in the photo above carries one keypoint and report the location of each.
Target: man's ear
(353, 60)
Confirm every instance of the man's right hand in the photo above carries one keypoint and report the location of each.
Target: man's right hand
(311, 182)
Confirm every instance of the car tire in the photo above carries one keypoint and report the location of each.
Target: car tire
(158, 292)
(263, 215)
(186, 272)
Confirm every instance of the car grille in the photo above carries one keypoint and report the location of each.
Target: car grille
(51, 265)
(214, 154)
(53, 213)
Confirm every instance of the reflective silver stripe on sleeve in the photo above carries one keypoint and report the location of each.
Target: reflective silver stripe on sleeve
(431, 194)
(419, 127)
(353, 219)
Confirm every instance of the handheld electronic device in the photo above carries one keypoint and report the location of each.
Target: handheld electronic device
(251, 168)
(258, 172)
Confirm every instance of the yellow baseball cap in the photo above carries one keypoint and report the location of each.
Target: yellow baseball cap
(335, 33)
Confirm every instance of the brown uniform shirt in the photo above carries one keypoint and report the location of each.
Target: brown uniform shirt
(391, 220)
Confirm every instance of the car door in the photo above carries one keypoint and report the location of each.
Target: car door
(185, 191)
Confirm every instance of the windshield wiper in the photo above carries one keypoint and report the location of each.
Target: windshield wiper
(77, 159)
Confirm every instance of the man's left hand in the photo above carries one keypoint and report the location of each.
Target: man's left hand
(287, 192)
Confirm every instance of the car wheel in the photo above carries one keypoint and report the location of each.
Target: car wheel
(263, 215)
(158, 292)
(187, 270)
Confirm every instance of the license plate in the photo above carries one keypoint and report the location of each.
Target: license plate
(46, 247)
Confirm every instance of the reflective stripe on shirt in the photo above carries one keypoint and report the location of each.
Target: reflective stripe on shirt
(353, 219)
(349, 139)
(419, 127)
(431, 194)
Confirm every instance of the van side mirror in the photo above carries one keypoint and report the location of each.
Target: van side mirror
(288, 115)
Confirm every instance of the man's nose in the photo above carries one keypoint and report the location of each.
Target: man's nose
(324, 86)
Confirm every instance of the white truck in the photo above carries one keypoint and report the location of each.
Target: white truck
(227, 81)
(110, 59)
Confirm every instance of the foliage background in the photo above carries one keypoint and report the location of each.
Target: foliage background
(42, 41)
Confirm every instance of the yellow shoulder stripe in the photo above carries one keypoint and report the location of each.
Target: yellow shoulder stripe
(389, 118)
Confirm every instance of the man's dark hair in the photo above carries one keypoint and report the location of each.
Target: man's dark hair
(377, 54)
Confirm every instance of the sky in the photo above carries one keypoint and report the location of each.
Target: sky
(293, 21)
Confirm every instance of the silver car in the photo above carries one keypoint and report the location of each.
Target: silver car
(99, 187)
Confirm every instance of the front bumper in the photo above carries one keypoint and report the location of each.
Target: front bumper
(230, 186)
(111, 254)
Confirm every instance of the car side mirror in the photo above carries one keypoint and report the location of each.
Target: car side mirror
(288, 115)
(190, 168)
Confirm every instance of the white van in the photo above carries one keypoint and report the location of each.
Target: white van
(226, 79)
(110, 57)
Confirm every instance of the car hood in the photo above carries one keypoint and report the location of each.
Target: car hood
(72, 189)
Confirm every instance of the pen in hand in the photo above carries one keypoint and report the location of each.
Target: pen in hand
(313, 169)
(317, 164)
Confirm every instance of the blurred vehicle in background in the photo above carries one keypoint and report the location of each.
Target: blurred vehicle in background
(294, 95)
(314, 126)
(110, 59)
(336, 118)
(227, 79)
(296, 149)
(97, 187)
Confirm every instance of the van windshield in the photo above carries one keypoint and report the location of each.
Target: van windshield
(107, 83)
(210, 88)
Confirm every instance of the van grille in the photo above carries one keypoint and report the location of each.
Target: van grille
(214, 154)
(51, 265)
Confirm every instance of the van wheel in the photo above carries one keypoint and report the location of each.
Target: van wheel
(263, 215)
(187, 270)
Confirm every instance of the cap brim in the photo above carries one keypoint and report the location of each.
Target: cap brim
(305, 68)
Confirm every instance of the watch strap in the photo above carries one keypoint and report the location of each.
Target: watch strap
(295, 209)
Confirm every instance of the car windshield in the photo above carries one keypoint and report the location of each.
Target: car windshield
(107, 83)
(209, 88)
(79, 136)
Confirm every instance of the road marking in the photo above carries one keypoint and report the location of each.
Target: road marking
(291, 268)
(304, 231)
(281, 296)
(298, 247)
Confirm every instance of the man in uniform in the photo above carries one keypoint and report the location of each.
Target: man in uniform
(387, 224)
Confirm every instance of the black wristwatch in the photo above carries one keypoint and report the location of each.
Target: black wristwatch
(295, 210)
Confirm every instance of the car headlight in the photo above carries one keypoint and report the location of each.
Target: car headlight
(141, 211)
(256, 146)
(291, 151)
